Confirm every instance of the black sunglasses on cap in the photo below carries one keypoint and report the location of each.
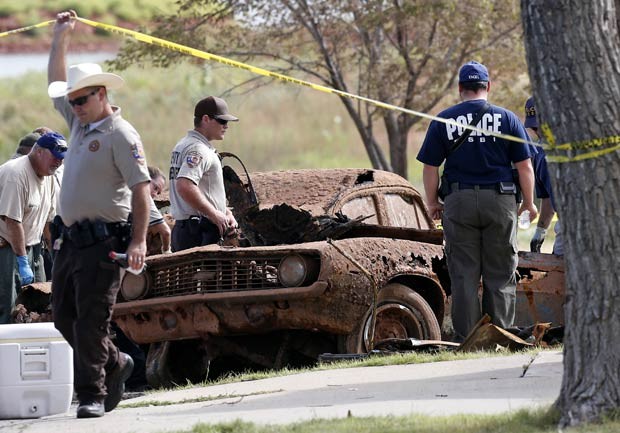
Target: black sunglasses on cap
(220, 121)
(81, 100)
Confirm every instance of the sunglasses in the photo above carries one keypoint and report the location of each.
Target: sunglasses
(81, 100)
(220, 121)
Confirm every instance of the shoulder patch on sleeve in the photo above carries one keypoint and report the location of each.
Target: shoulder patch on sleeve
(193, 159)
(137, 151)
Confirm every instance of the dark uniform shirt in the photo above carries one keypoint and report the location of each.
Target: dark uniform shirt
(482, 159)
(541, 173)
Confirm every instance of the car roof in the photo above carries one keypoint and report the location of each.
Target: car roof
(316, 190)
(319, 190)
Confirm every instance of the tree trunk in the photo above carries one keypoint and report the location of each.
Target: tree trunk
(574, 63)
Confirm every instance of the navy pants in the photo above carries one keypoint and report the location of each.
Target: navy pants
(194, 232)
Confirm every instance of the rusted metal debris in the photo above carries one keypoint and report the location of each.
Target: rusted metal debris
(540, 289)
(33, 304)
(286, 224)
(486, 336)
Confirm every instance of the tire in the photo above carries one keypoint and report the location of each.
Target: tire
(172, 363)
(401, 313)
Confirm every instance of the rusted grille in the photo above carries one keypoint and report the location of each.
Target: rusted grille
(215, 275)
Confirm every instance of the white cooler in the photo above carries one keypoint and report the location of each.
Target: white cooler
(36, 371)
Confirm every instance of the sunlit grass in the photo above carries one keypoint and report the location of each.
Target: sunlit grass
(543, 420)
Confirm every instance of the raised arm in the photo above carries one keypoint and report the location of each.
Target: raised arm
(57, 64)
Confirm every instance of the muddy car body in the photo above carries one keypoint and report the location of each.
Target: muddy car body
(270, 303)
(333, 255)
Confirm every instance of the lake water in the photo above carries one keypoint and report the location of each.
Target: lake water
(14, 65)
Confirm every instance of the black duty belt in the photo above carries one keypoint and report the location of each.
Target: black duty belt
(86, 233)
(470, 186)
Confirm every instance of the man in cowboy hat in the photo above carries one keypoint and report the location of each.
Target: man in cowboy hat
(105, 179)
(27, 204)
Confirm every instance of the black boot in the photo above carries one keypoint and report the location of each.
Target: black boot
(90, 409)
(115, 380)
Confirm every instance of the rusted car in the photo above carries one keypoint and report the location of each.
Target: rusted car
(331, 260)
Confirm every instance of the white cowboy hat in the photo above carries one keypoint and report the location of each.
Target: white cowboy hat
(81, 76)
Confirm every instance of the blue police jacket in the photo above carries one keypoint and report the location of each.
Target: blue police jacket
(482, 159)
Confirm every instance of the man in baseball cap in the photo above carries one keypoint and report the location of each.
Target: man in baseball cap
(481, 202)
(473, 72)
(543, 187)
(197, 196)
(27, 205)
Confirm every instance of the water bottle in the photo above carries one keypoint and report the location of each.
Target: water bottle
(524, 220)
(121, 260)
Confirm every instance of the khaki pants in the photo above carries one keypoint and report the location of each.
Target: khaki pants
(480, 228)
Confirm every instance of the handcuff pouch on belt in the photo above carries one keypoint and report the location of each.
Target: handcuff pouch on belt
(86, 233)
(198, 224)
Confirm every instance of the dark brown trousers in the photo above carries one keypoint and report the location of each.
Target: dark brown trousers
(84, 287)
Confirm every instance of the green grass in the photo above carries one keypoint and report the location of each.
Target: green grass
(524, 421)
(148, 403)
(371, 361)
(27, 12)
(281, 126)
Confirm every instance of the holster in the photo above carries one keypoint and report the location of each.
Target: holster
(444, 187)
(84, 234)
(515, 179)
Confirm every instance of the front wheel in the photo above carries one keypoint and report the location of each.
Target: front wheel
(401, 313)
(172, 363)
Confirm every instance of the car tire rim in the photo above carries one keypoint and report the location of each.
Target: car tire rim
(394, 320)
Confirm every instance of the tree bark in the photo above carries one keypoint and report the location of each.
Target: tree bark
(573, 56)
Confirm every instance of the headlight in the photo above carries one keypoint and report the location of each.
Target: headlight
(134, 286)
(295, 270)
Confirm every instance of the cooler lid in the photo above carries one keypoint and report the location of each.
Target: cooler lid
(21, 332)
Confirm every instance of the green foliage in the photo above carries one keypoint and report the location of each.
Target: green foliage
(402, 53)
(135, 11)
(279, 125)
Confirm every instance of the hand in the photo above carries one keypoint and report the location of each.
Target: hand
(136, 252)
(435, 210)
(232, 225)
(65, 21)
(537, 239)
(25, 273)
(529, 207)
(220, 220)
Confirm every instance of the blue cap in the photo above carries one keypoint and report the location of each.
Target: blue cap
(55, 143)
(531, 121)
(472, 72)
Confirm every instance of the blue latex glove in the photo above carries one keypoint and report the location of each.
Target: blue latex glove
(25, 273)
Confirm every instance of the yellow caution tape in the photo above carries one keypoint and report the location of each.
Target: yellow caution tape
(260, 71)
(25, 29)
(550, 139)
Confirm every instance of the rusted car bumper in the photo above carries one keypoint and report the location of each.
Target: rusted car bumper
(540, 290)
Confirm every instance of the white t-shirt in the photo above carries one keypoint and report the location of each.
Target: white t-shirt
(26, 198)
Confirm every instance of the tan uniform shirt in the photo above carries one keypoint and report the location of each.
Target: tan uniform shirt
(195, 159)
(101, 165)
(27, 198)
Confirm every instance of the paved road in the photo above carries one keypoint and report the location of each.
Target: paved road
(479, 386)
